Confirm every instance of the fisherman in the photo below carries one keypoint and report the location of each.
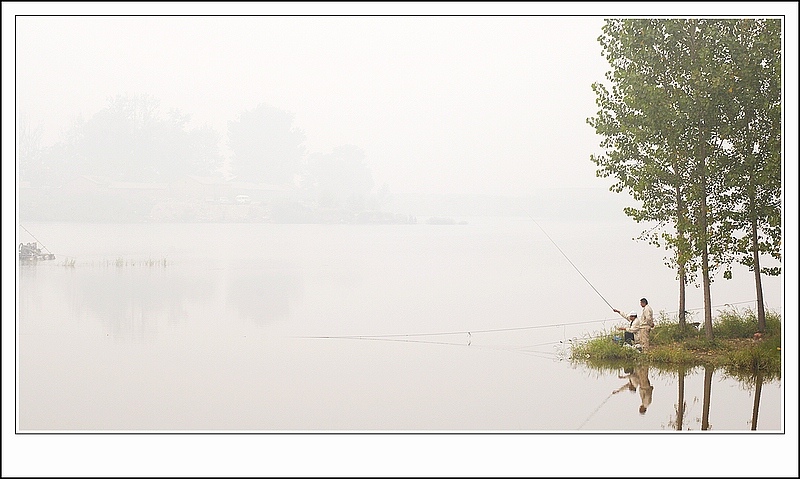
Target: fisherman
(629, 336)
(647, 313)
(647, 323)
(637, 328)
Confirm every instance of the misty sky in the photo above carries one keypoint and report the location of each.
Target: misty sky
(481, 104)
(491, 105)
(444, 104)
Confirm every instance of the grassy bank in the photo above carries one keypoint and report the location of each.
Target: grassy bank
(734, 347)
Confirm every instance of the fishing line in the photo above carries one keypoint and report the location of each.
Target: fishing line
(717, 306)
(390, 340)
(595, 411)
(570, 261)
(468, 332)
(523, 348)
(540, 354)
(477, 331)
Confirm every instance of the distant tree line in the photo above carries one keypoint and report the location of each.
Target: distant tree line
(691, 127)
(132, 140)
(128, 140)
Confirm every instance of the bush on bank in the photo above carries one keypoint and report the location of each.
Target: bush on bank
(734, 346)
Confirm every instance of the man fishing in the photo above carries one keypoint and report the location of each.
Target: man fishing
(637, 327)
(647, 313)
(632, 330)
(629, 337)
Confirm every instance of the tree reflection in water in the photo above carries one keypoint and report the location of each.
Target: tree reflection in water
(639, 380)
(709, 373)
(680, 408)
(757, 399)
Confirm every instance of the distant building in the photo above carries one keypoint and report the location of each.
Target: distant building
(263, 192)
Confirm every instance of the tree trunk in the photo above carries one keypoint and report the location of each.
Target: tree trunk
(679, 208)
(707, 296)
(682, 297)
(703, 235)
(709, 373)
(762, 318)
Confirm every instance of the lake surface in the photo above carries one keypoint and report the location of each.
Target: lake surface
(342, 328)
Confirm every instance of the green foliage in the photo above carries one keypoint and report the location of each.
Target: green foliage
(730, 324)
(734, 348)
(700, 343)
(674, 355)
(751, 114)
(603, 348)
(666, 333)
(759, 357)
(691, 126)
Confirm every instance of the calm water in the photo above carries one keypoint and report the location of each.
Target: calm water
(448, 328)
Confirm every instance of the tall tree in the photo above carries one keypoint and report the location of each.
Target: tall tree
(752, 141)
(29, 149)
(644, 121)
(701, 62)
(131, 140)
(664, 137)
(341, 178)
(266, 145)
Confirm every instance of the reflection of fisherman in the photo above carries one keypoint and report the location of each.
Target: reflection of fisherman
(639, 379)
(630, 386)
(645, 388)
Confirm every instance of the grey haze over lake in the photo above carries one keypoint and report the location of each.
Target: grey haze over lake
(160, 337)
(269, 327)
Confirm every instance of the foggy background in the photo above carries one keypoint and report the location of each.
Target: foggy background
(467, 105)
(421, 115)
(335, 116)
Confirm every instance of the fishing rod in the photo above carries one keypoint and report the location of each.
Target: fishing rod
(37, 240)
(569, 260)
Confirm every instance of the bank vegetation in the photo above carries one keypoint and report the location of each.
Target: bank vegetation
(738, 346)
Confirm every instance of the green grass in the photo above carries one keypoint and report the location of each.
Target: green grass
(603, 348)
(731, 324)
(733, 348)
